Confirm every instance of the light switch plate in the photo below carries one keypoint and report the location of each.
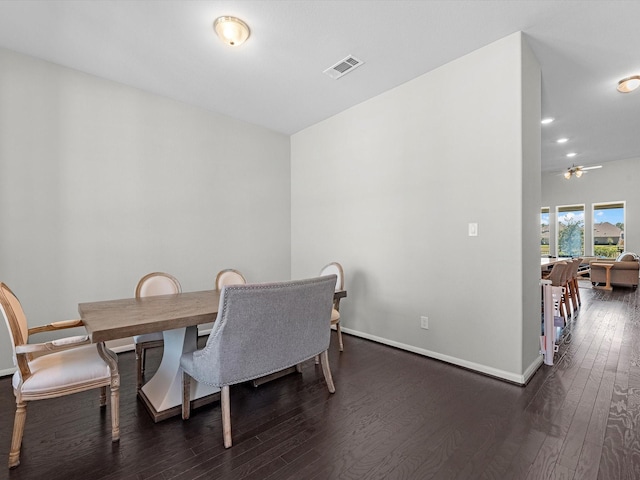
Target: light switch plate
(473, 229)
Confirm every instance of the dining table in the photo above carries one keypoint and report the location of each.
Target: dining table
(177, 316)
(546, 262)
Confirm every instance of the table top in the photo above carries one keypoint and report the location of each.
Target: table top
(545, 262)
(113, 319)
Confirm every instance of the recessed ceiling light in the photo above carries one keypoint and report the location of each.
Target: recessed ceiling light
(562, 140)
(231, 30)
(547, 120)
(629, 84)
(572, 154)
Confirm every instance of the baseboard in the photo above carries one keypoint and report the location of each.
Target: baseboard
(493, 372)
(7, 371)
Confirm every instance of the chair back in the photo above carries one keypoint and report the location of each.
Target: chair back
(229, 277)
(157, 283)
(334, 268)
(265, 328)
(574, 267)
(16, 322)
(557, 273)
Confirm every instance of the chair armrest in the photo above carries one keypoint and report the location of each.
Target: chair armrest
(54, 345)
(56, 326)
(626, 266)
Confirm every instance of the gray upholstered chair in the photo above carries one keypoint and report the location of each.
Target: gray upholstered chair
(156, 283)
(261, 329)
(55, 368)
(334, 268)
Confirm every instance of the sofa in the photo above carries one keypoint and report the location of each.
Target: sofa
(625, 270)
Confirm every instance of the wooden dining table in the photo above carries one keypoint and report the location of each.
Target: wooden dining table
(546, 262)
(177, 316)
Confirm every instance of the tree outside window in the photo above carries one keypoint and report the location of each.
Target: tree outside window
(571, 231)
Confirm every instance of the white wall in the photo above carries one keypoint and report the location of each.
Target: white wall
(101, 183)
(616, 181)
(388, 188)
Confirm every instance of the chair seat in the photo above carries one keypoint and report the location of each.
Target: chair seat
(148, 337)
(335, 316)
(72, 368)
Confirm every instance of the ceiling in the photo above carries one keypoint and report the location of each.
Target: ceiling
(275, 79)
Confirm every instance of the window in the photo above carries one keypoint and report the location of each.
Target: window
(608, 229)
(570, 231)
(544, 232)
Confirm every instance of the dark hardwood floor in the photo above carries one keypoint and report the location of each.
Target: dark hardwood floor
(395, 415)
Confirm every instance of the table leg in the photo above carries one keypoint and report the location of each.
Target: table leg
(608, 285)
(162, 394)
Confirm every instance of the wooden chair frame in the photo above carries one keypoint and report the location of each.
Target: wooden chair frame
(220, 282)
(336, 302)
(24, 352)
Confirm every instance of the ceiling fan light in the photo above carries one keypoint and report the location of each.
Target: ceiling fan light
(629, 84)
(231, 30)
(578, 173)
(567, 174)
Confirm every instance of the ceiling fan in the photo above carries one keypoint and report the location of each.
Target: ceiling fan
(578, 170)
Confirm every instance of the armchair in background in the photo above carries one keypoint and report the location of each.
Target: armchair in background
(625, 270)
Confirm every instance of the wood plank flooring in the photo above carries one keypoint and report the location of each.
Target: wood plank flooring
(396, 415)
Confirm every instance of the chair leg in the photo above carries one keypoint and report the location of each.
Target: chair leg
(115, 410)
(103, 396)
(18, 431)
(112, 360)
(226, 416)
(186, 396)
(139, 364)
(324, 360)
(577, 290)
(574, 294)
(339, 336)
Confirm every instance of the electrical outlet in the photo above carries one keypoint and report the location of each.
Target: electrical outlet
(424, 323)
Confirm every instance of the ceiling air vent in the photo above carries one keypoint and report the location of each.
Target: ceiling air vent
(343, 67)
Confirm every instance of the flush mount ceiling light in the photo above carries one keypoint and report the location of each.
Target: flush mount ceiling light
(546, 121)
(231, 30)
(629, 84)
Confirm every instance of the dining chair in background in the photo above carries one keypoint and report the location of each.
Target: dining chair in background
(156, 283)
(334, 268)
(557, 277)
(55, 368)
(229, 276)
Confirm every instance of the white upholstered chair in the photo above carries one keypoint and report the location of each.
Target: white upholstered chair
(55, 368)
(229, 277)
(261, 329)
(156, 283)
(335, 268)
